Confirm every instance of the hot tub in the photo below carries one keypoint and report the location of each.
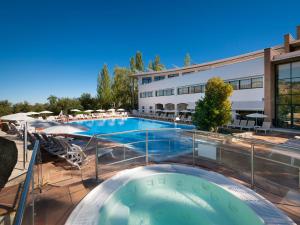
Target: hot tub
(174, 195)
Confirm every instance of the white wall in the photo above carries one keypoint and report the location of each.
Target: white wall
(232, 71)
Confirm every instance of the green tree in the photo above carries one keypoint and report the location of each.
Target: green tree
(52, 104)
(22, 107)
(66, 104)
(133, 84)
(187, 60)
(87, 101)
(139, 64)
(38, 107)
(104, 88)
(150, 65)
(5, 108)
(132, 64)
(157, 65)
(121, 88)
(215, 108)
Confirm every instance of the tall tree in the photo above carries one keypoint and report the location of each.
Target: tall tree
(157, 66)
(187, 60)
(139, 64)
(121, 88)
(150, 65)
(132, 64)
(104, 88)
(87, 101)
(52, 100)
(5, 107)
(214, 109)
(22, 107)
(133, 84)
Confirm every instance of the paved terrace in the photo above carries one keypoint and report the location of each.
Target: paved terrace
(63, 186)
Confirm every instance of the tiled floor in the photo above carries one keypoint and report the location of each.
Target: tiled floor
(63, 187)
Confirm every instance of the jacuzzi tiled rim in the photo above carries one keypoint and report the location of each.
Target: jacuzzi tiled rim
(87, 211)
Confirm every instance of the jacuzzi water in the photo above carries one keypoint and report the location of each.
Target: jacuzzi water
(175, 199)
(169, 194)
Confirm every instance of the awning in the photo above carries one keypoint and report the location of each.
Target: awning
(248, 105)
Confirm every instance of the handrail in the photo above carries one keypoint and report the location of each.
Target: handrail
(21, 207)
(247, 140)
(132, 131)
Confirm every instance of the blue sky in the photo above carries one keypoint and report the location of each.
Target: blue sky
(58, 47)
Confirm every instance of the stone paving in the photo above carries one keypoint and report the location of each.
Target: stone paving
(63, 187)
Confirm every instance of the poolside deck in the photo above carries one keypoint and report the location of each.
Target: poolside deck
(63, 188)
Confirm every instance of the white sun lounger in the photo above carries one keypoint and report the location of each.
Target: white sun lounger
(265, 127)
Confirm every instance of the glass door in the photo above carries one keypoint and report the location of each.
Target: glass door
(296, 116)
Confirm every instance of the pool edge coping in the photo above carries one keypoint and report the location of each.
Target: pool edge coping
(92, 202)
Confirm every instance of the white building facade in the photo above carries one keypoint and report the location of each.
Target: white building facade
(179, 89)
(263, 81)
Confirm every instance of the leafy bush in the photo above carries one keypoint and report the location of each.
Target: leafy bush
(214, 109)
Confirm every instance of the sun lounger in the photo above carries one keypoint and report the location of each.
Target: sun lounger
(235, 123)
(243, 124)
(250, 125)
(265, 127)
(189, 119)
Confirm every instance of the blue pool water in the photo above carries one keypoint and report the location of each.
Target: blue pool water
(161, 143)
(125, 124)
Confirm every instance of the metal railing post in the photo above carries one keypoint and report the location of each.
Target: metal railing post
(32, 195)
(147, 156)
(252, 166)
(96, 161)
(26, 142)
(193, 149)
(299, 179)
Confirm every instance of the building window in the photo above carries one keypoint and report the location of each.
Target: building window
(146, 80)
(257, 82)
(183, 90)
(245, 84)
(288, 95)
(173, 75)
(157, 78)
(146, 94)
(197, 89)
(164, 92)
(235, 84)
(187, 72)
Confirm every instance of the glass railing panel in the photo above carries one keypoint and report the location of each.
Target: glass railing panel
(119, 151)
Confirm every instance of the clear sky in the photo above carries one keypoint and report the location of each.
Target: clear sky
(58, 46)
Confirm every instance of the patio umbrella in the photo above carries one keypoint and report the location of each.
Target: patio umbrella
(46, 112)
(121, 110)
(256, 116)
(32, 113)
(75, 110)
(100, 110)
(63, 129)
(88, 111)
(42, 123)
(111, 110)
(17, 117)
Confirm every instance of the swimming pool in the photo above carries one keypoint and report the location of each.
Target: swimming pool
(174, 194)
(106, 126)
(164, 139)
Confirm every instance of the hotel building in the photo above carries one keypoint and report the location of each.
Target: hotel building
(265, 81)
